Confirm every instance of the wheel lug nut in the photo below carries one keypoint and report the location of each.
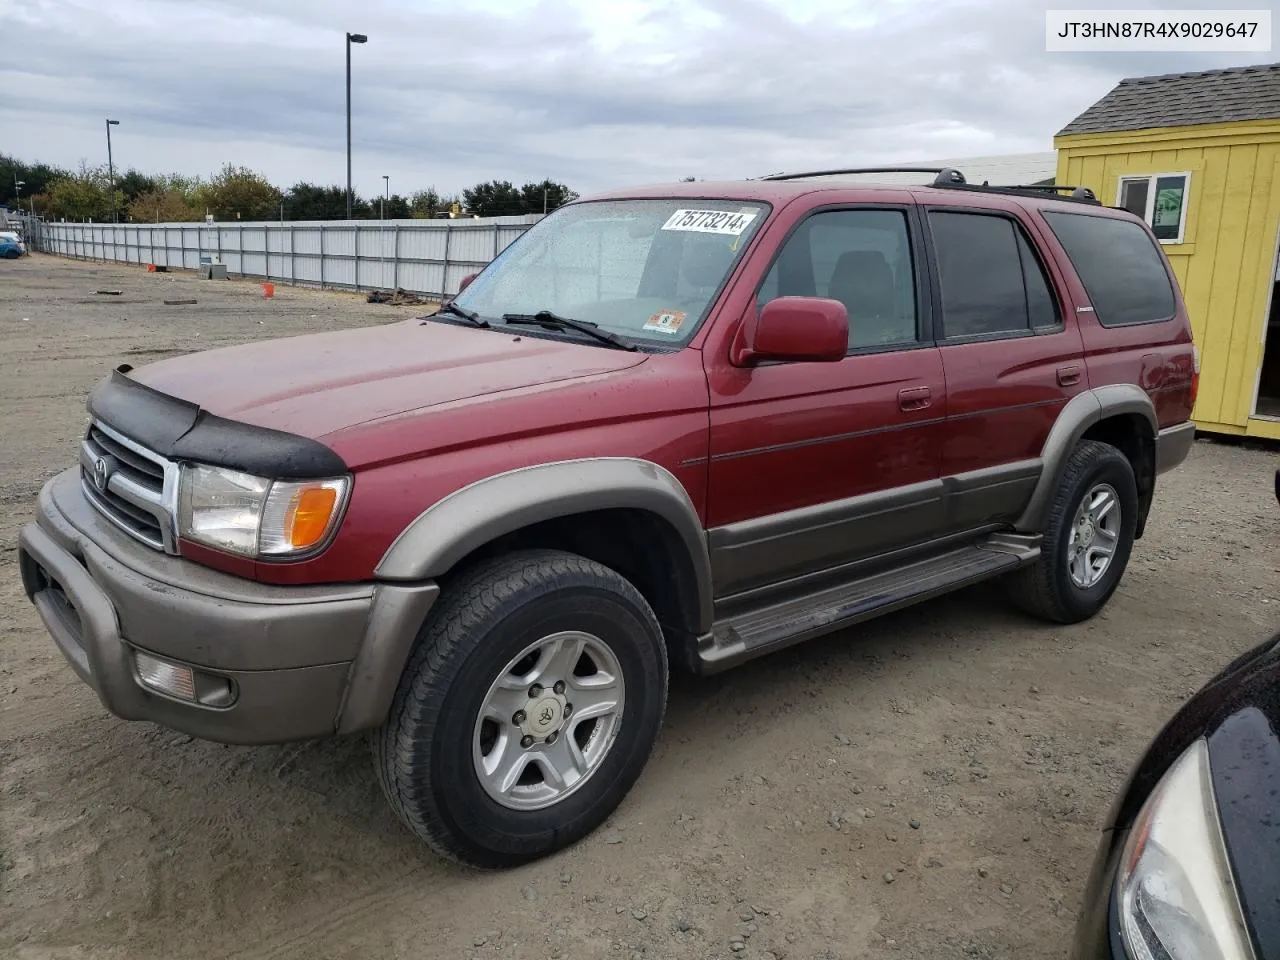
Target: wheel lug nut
(551, 737)
(526, 742)
(535, 690)
(559, 687)
(518, 718)
(568, 709)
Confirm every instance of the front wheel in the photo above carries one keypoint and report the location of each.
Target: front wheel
(12, 254)
(1088, 537)
(528, 709)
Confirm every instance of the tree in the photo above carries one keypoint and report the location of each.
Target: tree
(497, 198)
(82, 196)
(36, 178)
(237, 193)
(240, 193)
(310, 201)
(163, 206)
(398, 208)
(545, 196)
(40, 204)
(425, 204)
(134, 184)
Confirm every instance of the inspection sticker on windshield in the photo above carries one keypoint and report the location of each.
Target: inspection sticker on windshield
(711, 221)
(668, 321)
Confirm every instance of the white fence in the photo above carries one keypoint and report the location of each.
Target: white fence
(428, 257)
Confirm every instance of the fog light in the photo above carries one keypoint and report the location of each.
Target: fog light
(168, 678)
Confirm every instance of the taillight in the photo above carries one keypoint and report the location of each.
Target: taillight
(1195, 374)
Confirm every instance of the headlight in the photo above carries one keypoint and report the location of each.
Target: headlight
(251, 516)
(1177, 898)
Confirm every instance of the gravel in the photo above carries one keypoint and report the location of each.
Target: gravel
(290, 851)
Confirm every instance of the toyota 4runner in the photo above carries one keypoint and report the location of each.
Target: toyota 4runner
(676, 426)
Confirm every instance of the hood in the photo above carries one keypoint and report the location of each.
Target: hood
(1238, 713)
(1244, 760)
(317, 384)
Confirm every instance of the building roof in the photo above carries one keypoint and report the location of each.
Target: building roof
(1184, 99)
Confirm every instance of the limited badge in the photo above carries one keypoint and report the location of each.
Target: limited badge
(667, 321)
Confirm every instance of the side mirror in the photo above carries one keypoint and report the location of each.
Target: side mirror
(466, 281)
(794, 328)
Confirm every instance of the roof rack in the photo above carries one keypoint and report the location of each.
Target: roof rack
(1076, 194)
(944, 176)
(951, 179)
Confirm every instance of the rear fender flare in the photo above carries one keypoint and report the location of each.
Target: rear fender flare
(1081, 412)
(446, 532)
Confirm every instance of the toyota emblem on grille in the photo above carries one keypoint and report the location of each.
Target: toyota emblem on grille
(101, 473)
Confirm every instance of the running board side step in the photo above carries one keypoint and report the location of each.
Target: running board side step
(757, 632)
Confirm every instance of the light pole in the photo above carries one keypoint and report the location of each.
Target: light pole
(386, 194)
(351, 38)
(111, 172)
(17, 191)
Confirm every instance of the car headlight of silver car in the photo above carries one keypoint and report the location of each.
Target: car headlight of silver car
(1176, 896)
(255, 517)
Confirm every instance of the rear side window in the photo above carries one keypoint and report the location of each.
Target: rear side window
(984, 276)
(1040, 301)
(1119, 265)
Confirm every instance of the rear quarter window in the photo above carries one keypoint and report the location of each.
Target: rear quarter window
(1119, 265)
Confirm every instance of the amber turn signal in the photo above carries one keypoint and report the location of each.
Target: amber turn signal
(308, 516)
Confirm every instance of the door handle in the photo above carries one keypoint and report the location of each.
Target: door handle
(914, 398)
(1069, 375)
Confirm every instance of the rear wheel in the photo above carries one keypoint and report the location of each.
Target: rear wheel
(12, 253)
(527, 711)
(1088, 538)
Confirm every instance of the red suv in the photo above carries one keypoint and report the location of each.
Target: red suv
(682, 425)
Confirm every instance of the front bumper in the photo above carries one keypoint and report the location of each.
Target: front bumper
(300, 662)
(1097, 934)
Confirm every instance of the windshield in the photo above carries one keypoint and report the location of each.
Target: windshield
(645, 269)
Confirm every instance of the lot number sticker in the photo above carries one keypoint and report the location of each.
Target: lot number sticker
(710, 221)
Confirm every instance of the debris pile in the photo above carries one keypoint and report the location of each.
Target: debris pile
(401, 298)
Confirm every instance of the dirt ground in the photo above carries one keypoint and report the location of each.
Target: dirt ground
(929, 785)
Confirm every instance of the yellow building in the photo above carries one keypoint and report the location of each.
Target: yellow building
(1198, 156)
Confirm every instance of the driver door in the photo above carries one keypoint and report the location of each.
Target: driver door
(815, 465)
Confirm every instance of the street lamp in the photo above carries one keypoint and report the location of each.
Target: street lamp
(386, 194)
(351, 38)
(111, 171)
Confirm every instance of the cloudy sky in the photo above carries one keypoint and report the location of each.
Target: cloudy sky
(595, 93)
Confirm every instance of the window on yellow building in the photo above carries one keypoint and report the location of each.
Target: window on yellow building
(1161, 200)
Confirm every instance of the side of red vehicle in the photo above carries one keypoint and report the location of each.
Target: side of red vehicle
(693, 423)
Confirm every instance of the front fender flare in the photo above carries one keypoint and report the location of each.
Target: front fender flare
(469, 518)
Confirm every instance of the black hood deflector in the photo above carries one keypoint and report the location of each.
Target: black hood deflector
(180, 430)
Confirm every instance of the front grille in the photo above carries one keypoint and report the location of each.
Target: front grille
(131, 486)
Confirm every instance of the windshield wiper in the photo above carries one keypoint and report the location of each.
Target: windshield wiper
(469, 315)
(549, 320)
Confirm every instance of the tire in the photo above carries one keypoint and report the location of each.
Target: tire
(1048, 588)
(11, 254)
(428, 755)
